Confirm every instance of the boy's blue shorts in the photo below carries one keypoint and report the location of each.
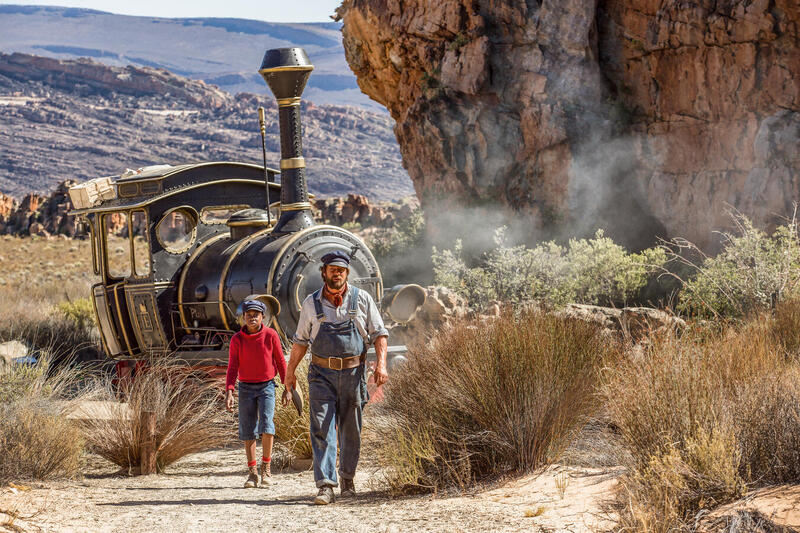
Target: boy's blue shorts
(256, 409)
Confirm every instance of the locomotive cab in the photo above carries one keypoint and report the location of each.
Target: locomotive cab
(142, 235)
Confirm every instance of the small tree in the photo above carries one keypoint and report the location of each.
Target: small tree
(754, 271)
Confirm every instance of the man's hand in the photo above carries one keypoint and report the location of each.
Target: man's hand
(229, 400)
(286, 397)
(381, 375)
(291, 380)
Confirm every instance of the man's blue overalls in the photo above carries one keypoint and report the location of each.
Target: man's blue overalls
(336, 397)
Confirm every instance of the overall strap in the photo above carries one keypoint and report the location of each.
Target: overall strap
(318, 304)
(353, 308)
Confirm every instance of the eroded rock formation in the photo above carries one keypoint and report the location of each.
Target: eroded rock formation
(645, 117)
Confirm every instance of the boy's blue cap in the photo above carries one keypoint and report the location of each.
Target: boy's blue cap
(336, 258)
(254, 305)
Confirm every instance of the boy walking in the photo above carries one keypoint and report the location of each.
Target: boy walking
(255, 357)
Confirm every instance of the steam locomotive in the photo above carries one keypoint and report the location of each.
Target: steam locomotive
(179, 248)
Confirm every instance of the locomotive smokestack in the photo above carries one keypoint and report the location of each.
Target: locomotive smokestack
(286, 71)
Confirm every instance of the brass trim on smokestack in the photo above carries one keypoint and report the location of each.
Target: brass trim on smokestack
(294, 162)
(299, 206)
(291, 68)
(286, 102)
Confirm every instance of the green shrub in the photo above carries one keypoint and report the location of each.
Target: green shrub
(80, 311)
(485, 399)
(400, 250)
(754, 271)
(592, 271)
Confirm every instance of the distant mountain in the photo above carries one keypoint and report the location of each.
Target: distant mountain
(80, 119)
(224, 51)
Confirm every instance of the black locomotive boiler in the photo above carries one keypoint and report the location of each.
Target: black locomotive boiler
(179, 248)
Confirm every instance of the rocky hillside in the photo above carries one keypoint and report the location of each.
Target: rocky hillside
(646, 118)
(78, 119)
(222, 51)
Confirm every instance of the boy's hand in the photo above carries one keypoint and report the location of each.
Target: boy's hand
(229, 400)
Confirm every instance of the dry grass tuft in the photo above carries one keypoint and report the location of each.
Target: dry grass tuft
(291, 430)
(486, 399)
(190, 417)
(704, 418)
(786, 326)
(37, 441)
(38, 276)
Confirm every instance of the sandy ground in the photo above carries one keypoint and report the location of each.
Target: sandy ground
(204, 493)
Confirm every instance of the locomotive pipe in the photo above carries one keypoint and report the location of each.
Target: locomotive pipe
(286, 71)
(263, 127)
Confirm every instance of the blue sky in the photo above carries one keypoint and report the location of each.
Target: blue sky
(269, 10)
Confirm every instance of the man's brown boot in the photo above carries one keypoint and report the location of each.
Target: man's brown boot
(324, 496)
(266, 474)
(348, 489)
(252, 479)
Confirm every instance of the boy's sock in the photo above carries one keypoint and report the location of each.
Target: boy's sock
(266, 459)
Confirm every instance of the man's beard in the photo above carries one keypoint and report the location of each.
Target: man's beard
(334, 285)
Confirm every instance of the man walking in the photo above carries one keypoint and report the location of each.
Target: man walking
(338, 321)
(255, 357)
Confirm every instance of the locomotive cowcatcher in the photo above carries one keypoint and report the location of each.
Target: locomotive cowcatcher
(179, 248)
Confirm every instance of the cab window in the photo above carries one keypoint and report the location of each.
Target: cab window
(219, 214)
(117, 245)
(141, 246)
(176, 229)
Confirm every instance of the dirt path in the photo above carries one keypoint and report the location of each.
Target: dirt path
(203, 493)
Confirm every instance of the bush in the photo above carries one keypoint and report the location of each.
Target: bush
(80, 311)
(190, 416)
(754, 271)
(593, 271)
(37, 441)
(402, 251)
(64, 331)
(486, 399)
(704, 417)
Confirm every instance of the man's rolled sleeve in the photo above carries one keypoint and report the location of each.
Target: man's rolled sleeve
(302, 335)
(375, 327)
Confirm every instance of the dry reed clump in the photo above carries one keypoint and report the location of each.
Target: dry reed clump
(292, 430)
(189, 412)
(37, 440)
(486, 399)
(785, 326)
(704, 417)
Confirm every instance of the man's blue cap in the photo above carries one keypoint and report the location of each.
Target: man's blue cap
(247, 305)
(336, 258)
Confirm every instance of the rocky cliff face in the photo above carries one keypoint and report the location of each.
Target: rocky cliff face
(644, 117)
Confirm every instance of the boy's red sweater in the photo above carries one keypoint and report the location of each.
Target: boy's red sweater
(255, 358)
